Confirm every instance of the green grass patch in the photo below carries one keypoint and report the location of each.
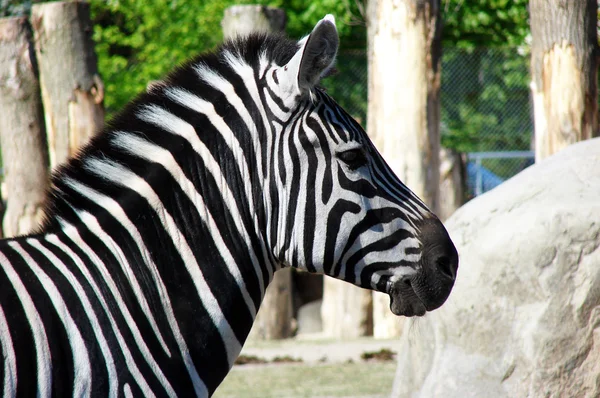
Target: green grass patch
(353, 379)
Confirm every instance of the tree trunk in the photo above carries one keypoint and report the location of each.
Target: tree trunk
(452, 183)
(244, 19)
(274, 320)
(404, 103)
(72, 91)
(24, 153)
(564, 68)
(347, 311)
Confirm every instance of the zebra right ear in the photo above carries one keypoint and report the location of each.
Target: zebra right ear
(315, 56)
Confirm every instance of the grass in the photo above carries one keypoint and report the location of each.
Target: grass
(352, 379)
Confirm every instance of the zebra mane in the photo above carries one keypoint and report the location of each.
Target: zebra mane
(275, 47)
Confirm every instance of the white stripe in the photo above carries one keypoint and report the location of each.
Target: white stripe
(118, 174)
(315, 180)
(113, 377)
(72, 233)
(197, 104)
(82, 377)
(282, 224)
(113, 207)
(394, 275)
(137, 290)
(219, 83)
(216, 81)
(91, 222)
(416, 210)
(389, 255)
(274, 107)
(153, 153)
(246, 72)
(10, 362)
(127, 391)
(263, 64)
(174, 125)
(40, 340)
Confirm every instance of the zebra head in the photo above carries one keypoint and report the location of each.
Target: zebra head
(334, 206)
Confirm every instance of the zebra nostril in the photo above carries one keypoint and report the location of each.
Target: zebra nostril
(439, 253)
(446, 266)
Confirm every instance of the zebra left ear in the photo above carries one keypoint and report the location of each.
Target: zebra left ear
(316, 55)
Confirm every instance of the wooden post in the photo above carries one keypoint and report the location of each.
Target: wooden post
(404, 103)
(24, 153)
(274, 319)
(564, 67)
(347, 310)
(244, 19)
(452, 183)
(72, 92)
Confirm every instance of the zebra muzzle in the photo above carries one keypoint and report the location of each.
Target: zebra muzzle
(404, 300)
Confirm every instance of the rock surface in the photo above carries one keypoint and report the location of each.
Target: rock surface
(523, 319)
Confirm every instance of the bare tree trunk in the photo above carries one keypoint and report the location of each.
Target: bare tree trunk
(564, 65)
(244, 19)
(274, 320)
(404, 104)
(452, 183)
(72, 91)
(347, 311)
(24, 153)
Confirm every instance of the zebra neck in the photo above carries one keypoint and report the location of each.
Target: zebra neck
(176, 240)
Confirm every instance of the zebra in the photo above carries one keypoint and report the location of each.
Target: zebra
(162, 234)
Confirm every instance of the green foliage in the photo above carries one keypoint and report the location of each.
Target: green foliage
(302, 16)
(485, 100)
(485, 79)
(484, 23)
(138, 41)
(349, 86)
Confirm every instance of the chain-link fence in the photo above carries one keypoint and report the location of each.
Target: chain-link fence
(486, 108)
(487, 113)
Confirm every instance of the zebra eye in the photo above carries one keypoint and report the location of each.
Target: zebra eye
(354, 158)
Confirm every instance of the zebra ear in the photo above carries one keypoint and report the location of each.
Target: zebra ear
(316, 55)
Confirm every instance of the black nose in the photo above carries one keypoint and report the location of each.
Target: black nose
(446, 266)
(439, 253)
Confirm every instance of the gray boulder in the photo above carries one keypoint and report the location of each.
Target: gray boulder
(523, 319)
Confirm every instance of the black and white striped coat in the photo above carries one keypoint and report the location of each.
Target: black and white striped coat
(163, 233)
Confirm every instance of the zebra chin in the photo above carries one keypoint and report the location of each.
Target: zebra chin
(410, 297)
(404, 300)
(429, 287)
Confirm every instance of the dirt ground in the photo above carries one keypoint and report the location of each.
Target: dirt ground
(312, 368)
(318, 350)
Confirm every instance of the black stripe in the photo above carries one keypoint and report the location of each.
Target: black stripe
(310, 205)
(79, 313)
(58, 340)
(334, 218)
(18, 325)
(383, 244)
(371, 219)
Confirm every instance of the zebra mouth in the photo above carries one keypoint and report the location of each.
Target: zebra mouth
(404, 300)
